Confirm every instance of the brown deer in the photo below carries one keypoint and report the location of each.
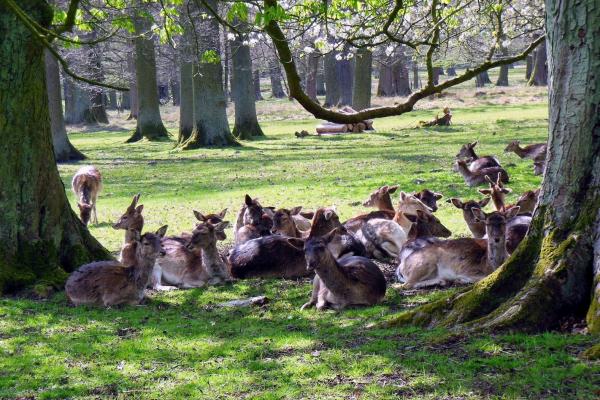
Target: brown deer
(476, 226)
(381, 198)
(340, 283)
(497, 192)
(532, 151)
(527, 201)
(132, 221)
(86, 184)
(205, 236)
(476, 178)
(426, 262)
(256, 222)
(182, 266)
(428, 198)
(425, 224)
(539, 164)
(477, 163)
(283, 224)
(110, 283)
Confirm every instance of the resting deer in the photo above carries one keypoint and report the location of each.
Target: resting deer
(256, 222)
(86, 184)
(383, 238)
(497, 192)
(539, 164)
(381, 198)
(476, 178)
(340, 283)
(110, 283)
(527, 201)
(182, 265)
(283, 223)
(428, 198)
(476, 226)
(439, 262)
(132, 221)
(477, 163)
(205, 237)
(425, 224)
(532, 151)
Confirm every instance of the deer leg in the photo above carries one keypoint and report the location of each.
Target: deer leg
(314, 295)
(155, 280)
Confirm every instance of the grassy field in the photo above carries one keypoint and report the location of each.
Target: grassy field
(182, 344)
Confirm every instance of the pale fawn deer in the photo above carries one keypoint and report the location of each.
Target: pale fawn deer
(110, 283)
(340, 283)
(426, 262)
(476, 163)
(86, 184)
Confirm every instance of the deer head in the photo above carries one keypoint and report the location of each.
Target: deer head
(381, 198)
(85, 212)
(512, 146)
(495, 229)
(283, 222)
(428, 198)
(324, 220)
(213, 219)
(150, 244)
(132, 219)
(206, 234)
(497, 192)
(409, 204)
(254, 211)
(467, 150)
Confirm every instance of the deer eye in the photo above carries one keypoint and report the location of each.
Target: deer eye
(125, 217)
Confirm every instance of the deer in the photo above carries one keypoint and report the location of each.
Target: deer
(476, 178)
(205, 235)
(111, 283)
(539, 164)
(476, 226)
(86, 184)
(274, 256)
(256, 222)
(428, 198)
(382, 238)
(132, 221)
(381, 198)
(340, 283)
(497, 192)
(426, 262)
(532, 151)
(477, 163)
(283, 224)
(527, 201)
(182, 266)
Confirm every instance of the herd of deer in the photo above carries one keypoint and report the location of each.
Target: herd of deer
(292, 243)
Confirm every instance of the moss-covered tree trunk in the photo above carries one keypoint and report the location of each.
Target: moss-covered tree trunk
(63, 149)
(551, 274)
(246, 122)
(149, 122)
(41, 236)
(210, 117)
(363, 69)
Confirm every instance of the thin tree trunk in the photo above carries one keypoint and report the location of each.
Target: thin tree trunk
(385, 85)
(149, 123)
(246, 123)
(529, 66)
(97, 99)
(112, 100)
(400, 75)
(539, 74)
(226, 65)
(437, 71)
(125, 101)
(311, 75)
(42, 238)
(415, 70)
(553, 275)
(503, 76)
(451, 71)
(186, 107)
(134, 105)
(275, 77)
(363, 71)
(256, 83)
(320, 78)
(175, 91)
(63, 149)
(482, 79)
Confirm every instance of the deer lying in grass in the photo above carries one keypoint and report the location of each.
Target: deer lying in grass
(527, 201)
(478, 177)
(426, 262)
(214, 269)
(382, 238)
(381, 199)
(285, 223)
(86, 184)
(476, 162)
(497, 192)
(182, 264)
(476, 226)
(274, 256)
(256, 222)
(132, 221)
(340, 283)
(110, 283)
(532, 151)
(428, 198)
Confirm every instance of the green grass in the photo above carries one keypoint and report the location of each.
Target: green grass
(181, 344)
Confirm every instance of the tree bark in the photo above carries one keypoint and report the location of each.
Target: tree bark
(63, 149)
(503, 76)
(149, 122)
(125, 101)
(256, 83)
(363, 71)
(345, 74)
(311, 75)
(112, 100)
(210, 117)
(539, 74)
(175, 91)
(332, 86)
(275, 77)
(385, 85)
(77, 104)
(42, 238)
(186, 107)
(320, 78)
(134, 106)
(97, 102)
(400, 75)
(437, 71)
(481, 79)
(416, 83)
(528, 66)
(553, 275)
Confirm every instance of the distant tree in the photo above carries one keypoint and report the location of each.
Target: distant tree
(275, 78)
(539, 73)
(363, 71)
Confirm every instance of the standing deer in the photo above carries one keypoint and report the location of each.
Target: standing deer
(427, 263)
(86, 184)
(110, 283)
(340, 283)
(478, 177)
(477, 163)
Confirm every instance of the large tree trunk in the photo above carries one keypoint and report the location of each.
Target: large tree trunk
(481, 79)
(529, 66)
(311, 75)
(332, 86)
(256, 83)
(63, 149)
(275, 77)
(385, 84)
(437, 71)
(400, 75)
(550, 277)
(210, 117)
(77, 104)
(539, 74)
(186, 107)
(134, 105)
(42, 238)
(149, 123)
(246, 123)
(363, 70)
(503, 73)
(345, 76)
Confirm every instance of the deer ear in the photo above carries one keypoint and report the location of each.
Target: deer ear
(222, 213)
(221, 226)
(328, 214)
(456, 202)
(296, 210)
(139, 209)
(403, 196)
(512, 212)
(478, 214)
(485, 192)
(329, 235)
(134, 201)
(248, 200)
(484, 202)
(474, 144)
(392, 189)
(162, 231)
(437, 196)
(199, 216)
(296, 243)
